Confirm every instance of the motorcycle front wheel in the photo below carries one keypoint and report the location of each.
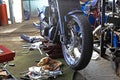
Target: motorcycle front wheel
(77, 49)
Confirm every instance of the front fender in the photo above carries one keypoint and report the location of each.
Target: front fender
(75, 12)
(66, 17)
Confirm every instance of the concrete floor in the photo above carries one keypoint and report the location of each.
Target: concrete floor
(99, 69)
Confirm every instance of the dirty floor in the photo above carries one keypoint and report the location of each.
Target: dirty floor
(99, 69)
(10, 38)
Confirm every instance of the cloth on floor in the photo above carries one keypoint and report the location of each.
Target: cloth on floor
(49, 64)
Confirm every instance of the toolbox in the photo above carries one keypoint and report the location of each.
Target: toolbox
(6, 54)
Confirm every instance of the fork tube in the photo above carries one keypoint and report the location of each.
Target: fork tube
(113, 7)
(102, 25)
(62, 36)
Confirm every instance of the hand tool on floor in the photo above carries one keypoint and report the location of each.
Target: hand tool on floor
(29, 39)
(33, 46)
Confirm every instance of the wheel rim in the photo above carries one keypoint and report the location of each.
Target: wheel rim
(73, 45)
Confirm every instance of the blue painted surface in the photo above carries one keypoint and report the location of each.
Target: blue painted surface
(116, 42)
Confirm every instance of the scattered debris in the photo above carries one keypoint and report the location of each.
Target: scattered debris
(49, 64)
(33, 46)
(95, 55)
(45, 69)
(39, 73)
(30, 39)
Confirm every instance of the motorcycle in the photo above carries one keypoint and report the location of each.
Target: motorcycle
(106, 34)
(63, 23)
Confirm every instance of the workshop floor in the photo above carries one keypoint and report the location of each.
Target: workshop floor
(99, 69)
(10, 38)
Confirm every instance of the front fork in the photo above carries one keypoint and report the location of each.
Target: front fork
(63, 8)
(62, 35)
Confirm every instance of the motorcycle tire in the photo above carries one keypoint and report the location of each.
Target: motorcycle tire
(77, 49)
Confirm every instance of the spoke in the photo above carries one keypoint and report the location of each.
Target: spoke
(73, 46)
